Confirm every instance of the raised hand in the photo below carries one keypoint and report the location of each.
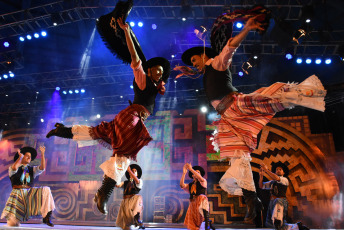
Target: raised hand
(42, 149)
(124, 26)
(20, 154)
(253, 24)
(263, 167)
(185, 170)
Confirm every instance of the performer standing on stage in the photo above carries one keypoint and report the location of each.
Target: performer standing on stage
(278, 206)
(132, 204)
(198, 210)
(26, 200)
(126, 133)
(244, 115)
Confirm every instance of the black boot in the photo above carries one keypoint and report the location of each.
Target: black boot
(138, 222)
(61, 131)
(103, 194)
(207, 222)
(47, 219)
(301, 226)
(253, 205)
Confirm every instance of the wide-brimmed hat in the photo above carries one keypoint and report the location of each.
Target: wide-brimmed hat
(25, 150)
(138, 169)
(201, 170)
(280, 164)
(158, 61)
(198, 50)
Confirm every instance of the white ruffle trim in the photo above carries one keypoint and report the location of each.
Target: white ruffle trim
(115, 167)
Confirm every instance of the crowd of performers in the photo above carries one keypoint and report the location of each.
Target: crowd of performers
(242, 117)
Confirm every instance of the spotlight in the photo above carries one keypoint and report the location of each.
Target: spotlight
(28, 123)
(5, 76)
(183, 19)
(238, 25)
(28, 37)
(204, 109)
(131, 86)
(43, 33)
(92, 98)
(64, 92)
(140, 24)
(98, 115)
(175, 81)
(318, 61)
(11, 73)
(196, 90)
(70, 91)
(76, 91)
(307, 13)
(132, 24)
(6, 44)
(121, 96)
(328, 61)
(0, 78)
(172, 56)
(288, 56)
(57, 88)
(82, 90)
(255, 57)
(21, 39)
(55, 24)
(308, 61)
(154, 26)
(42, 120)
(241, 73)
(36, 35)
(299, 60)
(308, 20)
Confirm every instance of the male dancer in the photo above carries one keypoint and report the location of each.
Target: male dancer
(132, 204)
(126, 133)
(26, 200)
(199, 207)
(244, 115)
(278, 205)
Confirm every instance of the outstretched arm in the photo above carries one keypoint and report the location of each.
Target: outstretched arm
(251, 24)
(271, 174)
(125, 27)
(42, 166)
(137, 181)
(181, 183)
(16, 164)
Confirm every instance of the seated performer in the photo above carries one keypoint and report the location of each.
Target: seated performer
(199, 207)
(25, 200)
(132, 205)
(243, 116)
(278, 206)
(126, 134)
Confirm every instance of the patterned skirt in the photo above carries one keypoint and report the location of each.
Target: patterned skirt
(128, 209)
(126, 135)
(24, 203)
(194, 215)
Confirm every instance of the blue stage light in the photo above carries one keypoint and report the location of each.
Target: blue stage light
(21, 39)
(6, 44)
(328, 61)
(76, 91)
(241, 73)
(43, 33)
(28, 37)
(140, 24)
(238, 25)
(308, 61)
(82, 90)
(131, 86)
(0, 78)
(57, 88)
(5, 76)
(299, 60)
(36, 35)
(70, 91)
(132, 24)
(64, 92)
(318, 61)
(204, 109)
(42, 120)
(11, 74)
(183, 19)
(288, 56)
(154, 26)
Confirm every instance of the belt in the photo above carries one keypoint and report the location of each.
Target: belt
(128, 196)
(225, 102)
(20, 186)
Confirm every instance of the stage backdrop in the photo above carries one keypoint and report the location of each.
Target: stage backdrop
(74, 175)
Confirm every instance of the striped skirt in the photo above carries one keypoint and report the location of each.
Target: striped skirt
(194, 216)
(237, 130)
(126, 134)
(24, 203)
